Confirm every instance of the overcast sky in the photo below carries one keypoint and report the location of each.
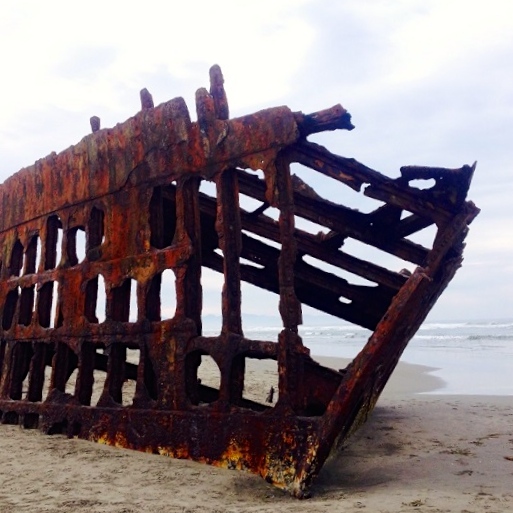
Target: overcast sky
(427, 82)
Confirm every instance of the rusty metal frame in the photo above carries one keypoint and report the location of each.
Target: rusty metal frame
(134, 190)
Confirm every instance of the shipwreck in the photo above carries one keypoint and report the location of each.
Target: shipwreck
(133, 192)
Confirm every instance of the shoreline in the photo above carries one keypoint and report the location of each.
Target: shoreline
(407, 378)
(418, 451)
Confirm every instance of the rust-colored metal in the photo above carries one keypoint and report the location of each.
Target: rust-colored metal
(133, 191)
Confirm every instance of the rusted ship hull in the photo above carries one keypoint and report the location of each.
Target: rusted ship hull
(134, 191)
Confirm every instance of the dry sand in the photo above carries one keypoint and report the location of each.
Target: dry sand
(418, 452)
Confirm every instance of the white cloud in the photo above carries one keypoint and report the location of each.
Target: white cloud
(426, 82)
(259, 52)
(445, 34)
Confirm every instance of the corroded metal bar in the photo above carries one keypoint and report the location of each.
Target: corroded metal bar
(228, 227)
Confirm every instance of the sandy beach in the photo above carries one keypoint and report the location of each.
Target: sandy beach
(418, 452)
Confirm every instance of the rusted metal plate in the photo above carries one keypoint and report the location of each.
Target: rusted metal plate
(133, 193)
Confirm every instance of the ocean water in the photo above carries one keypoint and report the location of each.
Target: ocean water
(474, 358)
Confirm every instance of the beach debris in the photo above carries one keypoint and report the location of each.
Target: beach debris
(90, 346)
